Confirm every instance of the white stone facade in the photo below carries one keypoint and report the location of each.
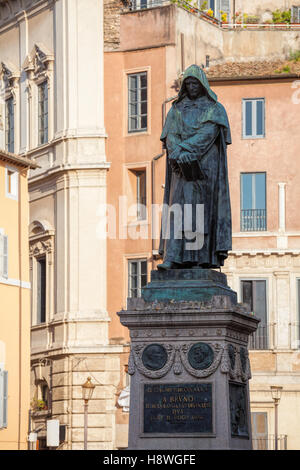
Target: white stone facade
(60, 42)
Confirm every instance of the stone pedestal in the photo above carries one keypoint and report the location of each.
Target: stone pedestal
(189, 363)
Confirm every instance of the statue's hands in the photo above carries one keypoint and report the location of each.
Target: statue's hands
(173, 159)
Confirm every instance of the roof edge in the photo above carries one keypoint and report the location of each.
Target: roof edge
(16, 160)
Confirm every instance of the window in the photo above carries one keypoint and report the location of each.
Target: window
(141, 195)
(137, 277)
(3, 256)
(137, 102)
(253, 202)
(295, 14)
(3, 398)
(12, 183)
(217, 6)
(9, 125)
(142, 4)
(253, 118)
(41, 290)
(298, 323)
(43, 112)
(259, 422)
(254, 296)
(43, 395)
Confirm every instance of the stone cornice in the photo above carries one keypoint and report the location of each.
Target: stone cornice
(11, 10)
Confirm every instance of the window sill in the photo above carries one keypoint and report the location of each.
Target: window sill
(39, 326)
(137, 133)
(41, 413)
(14, 197)
(253, 137)
(134, 223)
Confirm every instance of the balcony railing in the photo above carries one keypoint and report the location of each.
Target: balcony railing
(268, 443)
(253, 220)
(260, 338)
(135, 5)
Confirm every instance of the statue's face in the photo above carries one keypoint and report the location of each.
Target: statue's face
(193, 87)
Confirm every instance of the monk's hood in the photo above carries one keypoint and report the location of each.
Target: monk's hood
(196, 72)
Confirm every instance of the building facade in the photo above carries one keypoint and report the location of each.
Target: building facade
(264, 265)
(15, 302)
(92, 124)
(52, 51)
(261, 99)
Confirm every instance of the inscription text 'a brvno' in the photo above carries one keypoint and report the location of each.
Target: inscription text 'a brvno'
(178, 408)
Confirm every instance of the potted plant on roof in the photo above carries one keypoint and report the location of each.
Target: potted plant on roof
(281, 17)
(38, 405)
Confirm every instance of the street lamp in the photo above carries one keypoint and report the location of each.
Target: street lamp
(276, 395)
(87, 392)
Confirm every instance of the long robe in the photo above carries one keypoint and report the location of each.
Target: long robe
(198, 128)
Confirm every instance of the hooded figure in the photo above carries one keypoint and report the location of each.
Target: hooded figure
(196, 135)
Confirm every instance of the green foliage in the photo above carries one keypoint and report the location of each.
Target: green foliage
(285, 69)
(38, 404)
(281, 16)
(251, 19)
(295, 56)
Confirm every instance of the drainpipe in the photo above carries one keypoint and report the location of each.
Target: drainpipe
(20, 188)
(154, 159)
(233, 13)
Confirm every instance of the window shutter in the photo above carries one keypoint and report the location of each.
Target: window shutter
(1, 254)
(5, 256)
(3, 398)
(5, 395)
(295, 14)
(225, 6)
(260, 430)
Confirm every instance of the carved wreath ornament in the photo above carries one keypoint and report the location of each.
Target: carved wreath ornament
(236, 363)
(198, 359)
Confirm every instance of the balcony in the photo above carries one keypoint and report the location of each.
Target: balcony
(260, 338)
(144, 4)
(268, 443)
(253, 220)
(135, 5)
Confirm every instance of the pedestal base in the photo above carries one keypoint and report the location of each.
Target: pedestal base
(187, 284)
(189, 371)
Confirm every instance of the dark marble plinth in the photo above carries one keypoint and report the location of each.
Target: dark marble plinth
(187, 285)
(189, 363)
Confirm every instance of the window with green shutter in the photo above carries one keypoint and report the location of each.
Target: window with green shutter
(3, 398)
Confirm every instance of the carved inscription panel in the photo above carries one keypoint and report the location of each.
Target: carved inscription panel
(178, 408)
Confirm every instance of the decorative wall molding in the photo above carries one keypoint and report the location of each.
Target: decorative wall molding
(10, 76)
(10, 10)
(240, 260)
(39, 63)
(177, 357)
(236, 363)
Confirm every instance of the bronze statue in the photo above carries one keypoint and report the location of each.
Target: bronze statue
(196, 135)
